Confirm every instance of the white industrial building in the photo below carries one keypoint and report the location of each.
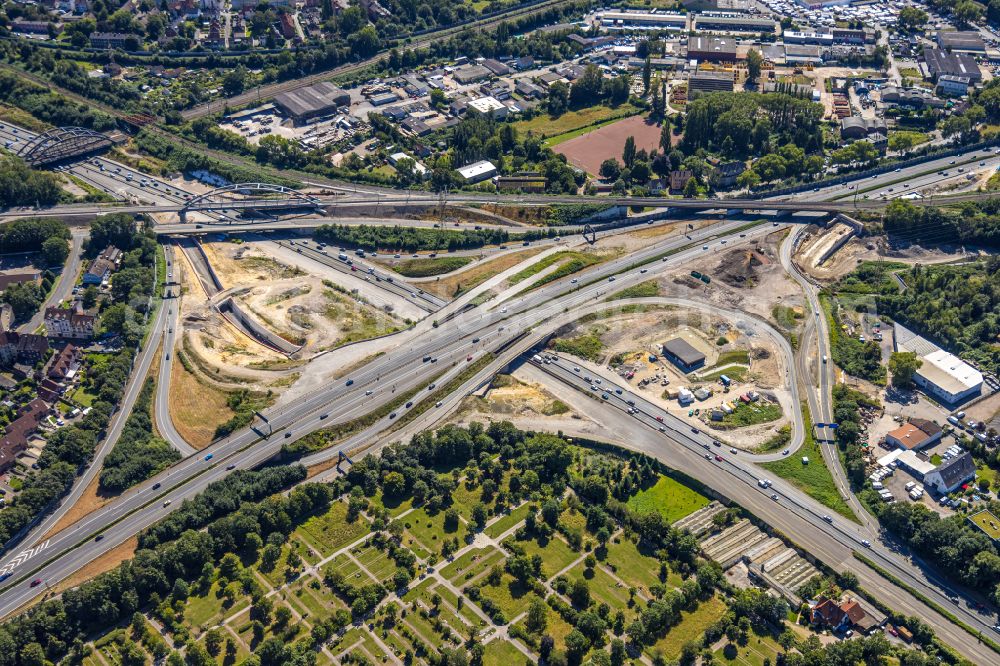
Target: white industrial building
(943, 375)
(478, 171)
(489, 106)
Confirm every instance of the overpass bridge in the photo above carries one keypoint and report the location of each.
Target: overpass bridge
(62, 143)
(265, 198)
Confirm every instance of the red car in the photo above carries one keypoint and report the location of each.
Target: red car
(718, 458)
(660, 419)
(36, 582)
(468, 358)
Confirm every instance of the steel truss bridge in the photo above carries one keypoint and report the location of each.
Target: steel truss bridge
(63, 143)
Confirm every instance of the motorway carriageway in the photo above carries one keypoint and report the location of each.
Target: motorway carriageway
(850, 535)
(451, 343)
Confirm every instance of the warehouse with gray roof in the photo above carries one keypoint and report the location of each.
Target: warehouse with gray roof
(315, 101)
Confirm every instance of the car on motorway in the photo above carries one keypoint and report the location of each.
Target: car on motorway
(828, 519)
(694, 430)
(431, 387)
(209, 456)
(660, 419)
(349, 382)
(288, 434)
(708, 456)
(167, 502)
(36, 582)
(611, 279)
(785, 452)
(573, 281)
(705, 446)
(468, 358)
(718, 458)
(5, 576)
(393, 415)
(866, 543)
(156, 486)
(368, 392)
(475, 340)
(716, 442)
(605, 396)
(705, 247)
(98, 537)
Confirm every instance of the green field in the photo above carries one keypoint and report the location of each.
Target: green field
(330, 532)
(814, 479)
(671, 498)
(748, 414)
(690, 628)
(417, 268)
(581, 119)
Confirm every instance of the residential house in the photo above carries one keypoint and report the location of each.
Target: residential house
(69, 323)
(951, 474)
(19, 277)
(26, 348)
(64, 363)
(15, 437)
(679, 179)
(103, 266)
(725, 175)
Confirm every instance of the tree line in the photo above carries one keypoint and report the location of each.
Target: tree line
(138, 454)
(161, 574)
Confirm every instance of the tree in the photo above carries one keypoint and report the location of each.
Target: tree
(770, 167)
(580, 593)
(576, 646)
(754, 63)
(54, 251)
(968, 12)
(610, 169)
(647, 74)
(393, 484)
(558, 100)
(537, 618)
(628, 152)
(903, 365)
(911, 18)
(691, 188)
(748, 179)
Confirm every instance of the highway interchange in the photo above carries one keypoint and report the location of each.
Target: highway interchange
(523, 322)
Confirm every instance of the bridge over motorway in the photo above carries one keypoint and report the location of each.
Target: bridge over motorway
(278, 199)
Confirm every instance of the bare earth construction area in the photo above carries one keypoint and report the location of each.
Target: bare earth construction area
(589, 150)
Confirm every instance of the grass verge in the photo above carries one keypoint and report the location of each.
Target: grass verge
(814, 479)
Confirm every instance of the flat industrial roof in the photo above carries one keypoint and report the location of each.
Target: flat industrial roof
(312, 99)
(683, 350)
(949, 372)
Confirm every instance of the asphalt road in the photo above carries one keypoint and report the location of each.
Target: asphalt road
(793, 513)
(67, 279)
(168, 333)
(466, 334)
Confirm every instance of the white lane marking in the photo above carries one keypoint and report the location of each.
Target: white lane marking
(23, 557)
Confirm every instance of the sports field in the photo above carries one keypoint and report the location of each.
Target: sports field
(588, 150)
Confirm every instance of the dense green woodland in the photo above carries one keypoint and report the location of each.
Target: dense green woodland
(50, 107)
(956, 306)
(973, 223)
(208, 543)
(752, 124)
(411, 239)
(138, 454)
(21, 185)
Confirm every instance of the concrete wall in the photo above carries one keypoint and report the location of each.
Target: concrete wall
(250, 325)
